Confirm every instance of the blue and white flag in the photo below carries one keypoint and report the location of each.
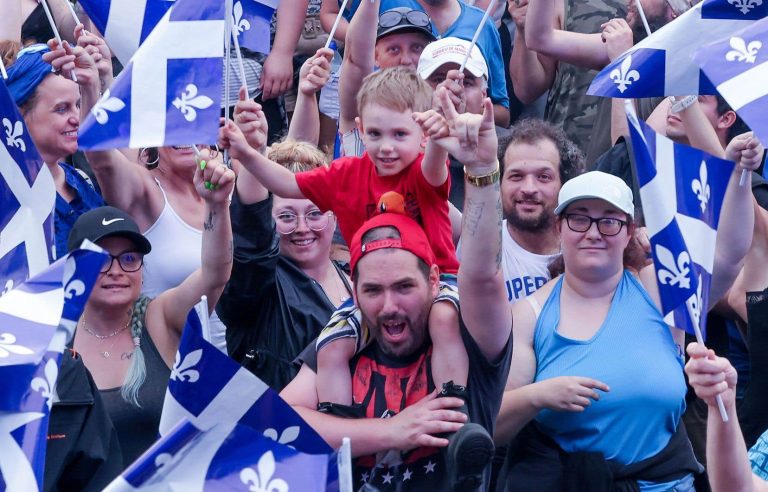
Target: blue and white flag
(682, 191)
(662, 64)
(251, 22)
(738, 67)
(170, 92)
(125, 24)
(33, 335)
(226, 457)
(208, 388)
(27, 201)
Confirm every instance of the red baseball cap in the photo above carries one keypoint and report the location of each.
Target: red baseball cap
(412, 238)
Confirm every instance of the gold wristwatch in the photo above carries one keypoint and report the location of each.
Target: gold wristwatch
(484, 179)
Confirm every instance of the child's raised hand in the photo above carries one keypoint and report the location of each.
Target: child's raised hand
(432, 123)
(251, 121)
(315, 72)
(232, 139)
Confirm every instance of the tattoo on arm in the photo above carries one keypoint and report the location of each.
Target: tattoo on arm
(499, 215)
(231, 251)
(472, 214)
(208, 224)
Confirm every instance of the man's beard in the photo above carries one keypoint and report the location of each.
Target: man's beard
(534, 223)
(418, 328)
(638, 29)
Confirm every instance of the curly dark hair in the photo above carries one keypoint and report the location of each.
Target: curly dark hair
(531, 130)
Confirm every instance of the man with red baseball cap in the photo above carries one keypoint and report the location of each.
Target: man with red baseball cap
(399, 423)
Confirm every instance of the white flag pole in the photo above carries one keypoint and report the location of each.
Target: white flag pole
(72, 11)
(227, 45)
(55, 31)
(201, 308)
(240, 63)
(479, 29)
(345, 466)
(743, 178)
(335, 24)
(642, 17)
(2, 69)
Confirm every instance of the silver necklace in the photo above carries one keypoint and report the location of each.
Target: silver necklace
(101, 338)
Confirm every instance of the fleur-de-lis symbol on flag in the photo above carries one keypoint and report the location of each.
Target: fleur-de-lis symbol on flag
(183, 369)
(13, 133)
(288, 436)
(104, 105)
(745, 5)
(701, 188)
(47, 386)
(73, 287)
(695, 304)
(675, 272)
(623, 76)
(189, 101)
(262, 480)
(742, 51)
(241, 24)
(8, 346)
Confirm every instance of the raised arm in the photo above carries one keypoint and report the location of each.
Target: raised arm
(583, 50)
(10, 21)
(532, 73)
(358, 60)
(167, 314)
(472, 140)
(433, 165)
(754, 276)
(252, 122)
(277, 76)
(737, 215)
(329, 10)
(313, 76)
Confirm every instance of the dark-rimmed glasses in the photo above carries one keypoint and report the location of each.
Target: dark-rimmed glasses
(287, 222)
(129, 261)
(679, 7)
(607, 226)
(392, 18)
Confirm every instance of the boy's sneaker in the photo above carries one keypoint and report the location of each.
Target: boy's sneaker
(469, 452)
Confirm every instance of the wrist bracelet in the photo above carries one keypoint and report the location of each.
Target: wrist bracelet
(681, 104)
(485, 179)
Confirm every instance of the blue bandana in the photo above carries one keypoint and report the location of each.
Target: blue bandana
(27, 72)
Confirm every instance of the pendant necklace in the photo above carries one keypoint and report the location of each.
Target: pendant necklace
(105, 353)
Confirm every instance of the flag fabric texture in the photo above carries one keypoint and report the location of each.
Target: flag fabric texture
(227, 456)
(251, 23)
(125, 24)
(682, 191)
(207, 388)
(663, 65)
(170, 92)
(37, 318)
(738, 67)
(27, 199)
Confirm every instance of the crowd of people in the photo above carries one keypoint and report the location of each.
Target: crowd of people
(448, 267)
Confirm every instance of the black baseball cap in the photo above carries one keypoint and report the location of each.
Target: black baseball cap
(104, 222)
(404, 19)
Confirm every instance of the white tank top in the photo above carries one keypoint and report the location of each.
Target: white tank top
(524, 272)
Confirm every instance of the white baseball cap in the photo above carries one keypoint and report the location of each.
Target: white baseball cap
(451, 50)
(596, 184)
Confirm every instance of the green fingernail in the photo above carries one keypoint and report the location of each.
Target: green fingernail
(208, 185)
(202, 165)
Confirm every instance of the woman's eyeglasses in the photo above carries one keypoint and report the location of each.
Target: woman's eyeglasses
(129, 262)
(607, 226)
(287, 222)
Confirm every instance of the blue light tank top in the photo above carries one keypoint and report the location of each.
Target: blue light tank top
(634, 353)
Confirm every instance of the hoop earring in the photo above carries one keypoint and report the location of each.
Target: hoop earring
(144, 155)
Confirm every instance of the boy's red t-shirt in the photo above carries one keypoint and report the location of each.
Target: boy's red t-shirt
(351, 189)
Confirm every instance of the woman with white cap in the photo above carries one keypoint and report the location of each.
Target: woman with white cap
(595, 369)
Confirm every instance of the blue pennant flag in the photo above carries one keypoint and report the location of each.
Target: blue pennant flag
(208, 388)
(738, 67)
(682, 191)
(36, 320)
(27, 201)
(662, 64)
(226, 457)
(170, 92)
(125, 24)
(251, 21)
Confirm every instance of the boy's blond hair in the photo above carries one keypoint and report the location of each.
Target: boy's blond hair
(399, 88)
(297, 156)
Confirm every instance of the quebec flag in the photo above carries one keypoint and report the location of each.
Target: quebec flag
(251, 22)
(227, 456)
(662, 64)
(208, 388)
(170, 92)
(125, 24)
(36, 321)
(738, 67)
(27, 200)
(682, 191)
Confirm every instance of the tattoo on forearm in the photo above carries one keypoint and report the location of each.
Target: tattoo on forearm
(231, 254)
(208, 224)
(472, 214)
(499, 215)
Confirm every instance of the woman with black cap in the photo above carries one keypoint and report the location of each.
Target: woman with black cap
(127, 341)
